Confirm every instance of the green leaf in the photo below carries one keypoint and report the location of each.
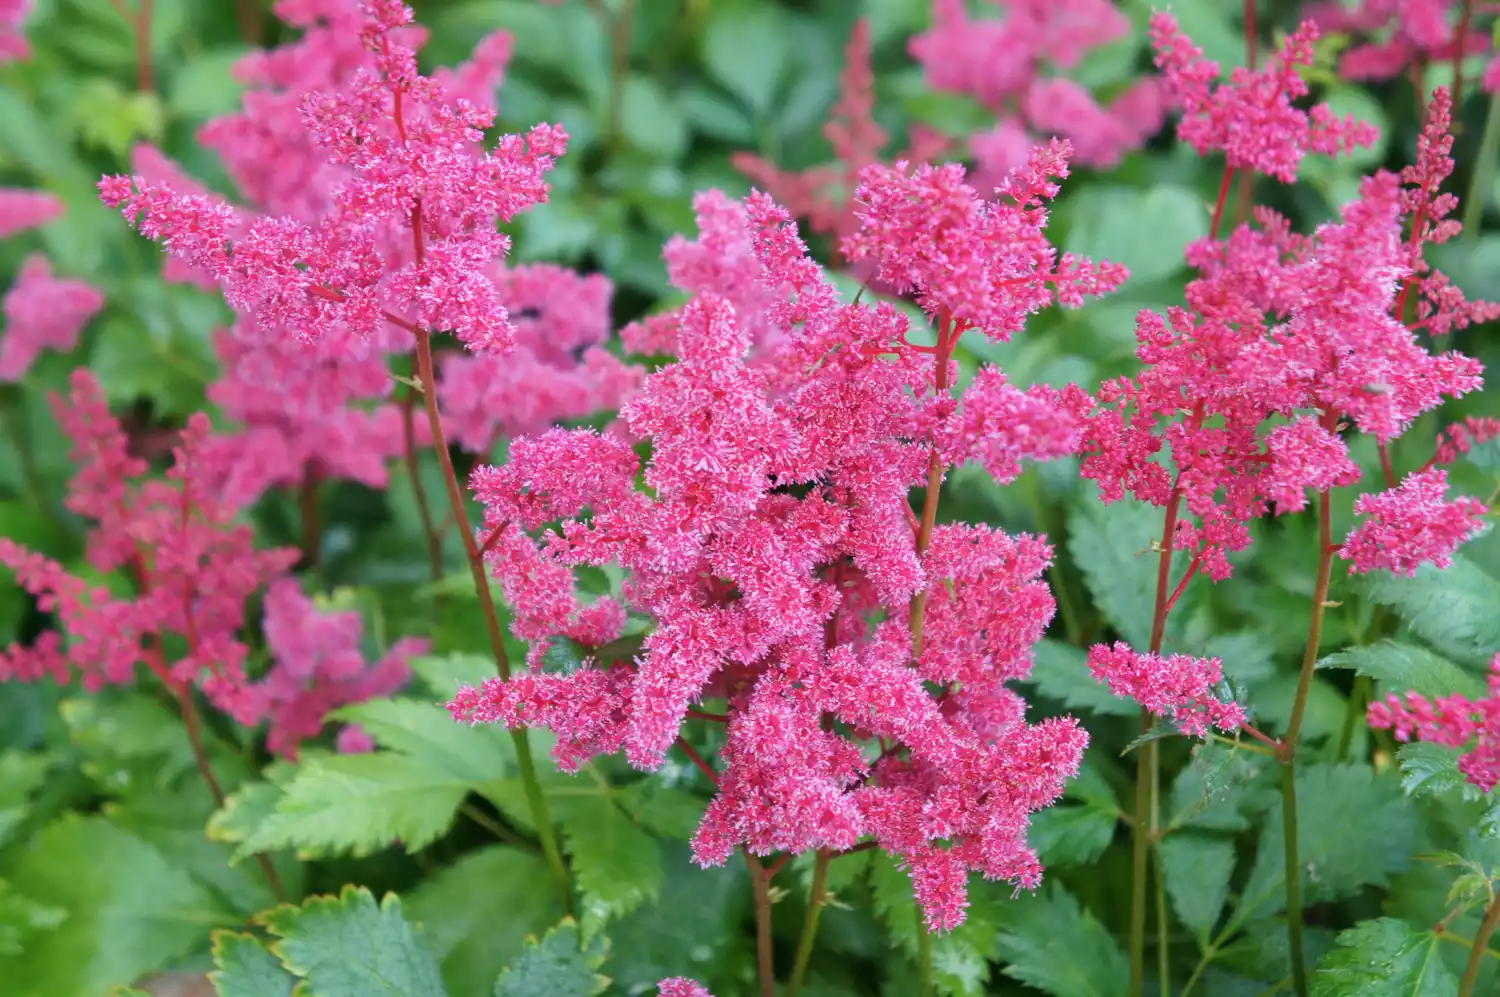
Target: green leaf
(348, 946)
(616, 864)
(1384, 958)
(477, 913)
(1198, 868)
(650, 120)
(1406, 666)
(1432, 770)
(1213, 792)
(21, 774)
(1146, 230)
(744, 48)
(21, 916)
(244, 967)
(203, 85)
(657, 941)
(1069, 835)
(1456, 610)
(1062, 673)
(1114, 547)
(1353, 829)
(960, 958)
(408, 791)
(557, 964)
(128, 910)
(1050, 943)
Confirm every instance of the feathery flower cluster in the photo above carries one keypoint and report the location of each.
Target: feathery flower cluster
(1412, 524)
(318, 667)
(192, 569)
(1251, 118)
(42, 312)
(1461, 437)
(681, 986)
(1453, 721)
(26, 209)
(1409, 34)
(1003, 64)
(775, 558)
(1176, 687)
(13, 14)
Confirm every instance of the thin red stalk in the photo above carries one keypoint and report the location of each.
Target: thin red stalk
(1460, 44)
(492, 539)
(718, 718)
(430, 531)
(1260, 736)
(760, 890)
(1218, 219)
(776, 866)
(947, 335)
(697, 759)
(144, 72)
(1481, 947)
(1186, 577)
(312, 529)
(247, 13)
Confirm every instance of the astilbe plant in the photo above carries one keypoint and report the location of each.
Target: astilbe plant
(862, 652)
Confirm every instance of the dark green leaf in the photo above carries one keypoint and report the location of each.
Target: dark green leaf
(348, 946)
(557, 964)
(1197, 868)
(1406, 666)
(1456, 610)
(1050, 943)
(744, 48)
(960, 958)
(616, 864)
(1432, 769)
(1062, 673)
(244, 967)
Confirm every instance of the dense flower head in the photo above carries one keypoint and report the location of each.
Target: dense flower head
(969, 262)
(1461, 437)
(1176, 687)
(681, 986)
(318, 666)
(1455, 721)
(769, 545)
(22, 209)
(192, 567)
(1412, 524)
(1252, 118)
(13, 14)
(42, 312)
(413, 169)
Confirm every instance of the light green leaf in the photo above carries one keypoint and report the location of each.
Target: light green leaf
(203, 86)
(1406, 666)
(650, 120)
(1146, 230)
(1068, 835)
(1456, 610)
(477, 913)
(1359, 832)
(243, 967)
(744, 48)
(1198, 868)
(1432, 770)
(616, 864)
(21, 916)
(128, 910)
(1050, 943)
(21, 773)
(1384, 958)
(960, 958)
(348, 946)
(557, 964)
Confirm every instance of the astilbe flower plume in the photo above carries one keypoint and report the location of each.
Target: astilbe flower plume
(1461, 437)
(1177, 687)
(1412, 524)
(681, 986)
(42, 312)
(774, 557)
(1016, 64)
(1404, 34)
(192, 569)
(13, 45)
(1454, 721)
(22, 209)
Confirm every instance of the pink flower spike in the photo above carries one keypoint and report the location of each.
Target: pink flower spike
(13, 45)
(43, 312)
(25, 209)
(1453, 721)
(681, 986)
(1412, 524)
(1177, 687)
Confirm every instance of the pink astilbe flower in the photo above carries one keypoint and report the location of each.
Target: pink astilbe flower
(25, 209)
(42, 312)
(999, 425)
(1406, 33)
(317, 666)
(1251, 118)
(1176, 687)
(192, 566)
(414, 165)
(770, 541)
(1412, 524)
(1461, 437)
(1453, 721)
(677, 986)
(13, 45)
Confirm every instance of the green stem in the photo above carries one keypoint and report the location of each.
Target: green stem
(1293, 875)
(1163, 937)
(1481, 947)
(816, 899)
(1484, 172)
(1359, 699)
(1140, 859)
(529, 782)
(924, 959)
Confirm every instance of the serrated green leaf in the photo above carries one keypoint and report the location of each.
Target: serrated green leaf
(426, 731)
(1113, 546)
(1456, 610)
(128, 910)
(1049, 942)
(616, 865)
(348, 946)
(246, 809)
(1197, 868)
(557, 964)
(1358, 832)
(21, 773)
(244, 967)
(960, 958)
(656, 941)
(1384, 958)
(21, 916)
(1062, 673)
(1068, 835)
(476, 914)
(1432, 769)
(1211, 793)
(1406, 666)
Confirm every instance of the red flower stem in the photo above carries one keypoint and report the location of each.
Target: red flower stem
(760, 890)
(718, 718)
(1386, 467)
(145, 74)
(947, 335)
(430, 530)
(312, 529)
(817, 897)
(1218, 219)
(492, 539)
(247, 13)
(776, 866)
(1261, 737)
(1186, 577)
(697, 759)
(1481, 947)
(1288, 751)
(1460, 40)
